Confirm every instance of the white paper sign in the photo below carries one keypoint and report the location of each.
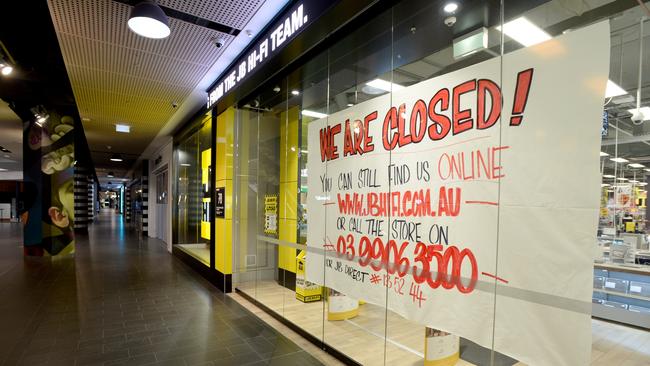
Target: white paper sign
(429, 198)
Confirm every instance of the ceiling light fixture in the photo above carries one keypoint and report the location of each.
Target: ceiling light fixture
(110, 175)
(149, 20)
(604, 154)
(622, 179)
(525, 32)
(5, 68)
(636, 165)
(619, 160)
(116, 157)
(6, 61)
(122, 128)
(384, 85)
(613, 90)
(450, 7)
(308, 113)
(608, 176)
(295, 92)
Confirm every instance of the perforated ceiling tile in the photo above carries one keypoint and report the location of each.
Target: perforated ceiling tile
(235, 14)
(118, 76)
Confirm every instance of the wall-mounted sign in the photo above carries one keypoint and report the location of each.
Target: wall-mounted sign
(220, 204)
(291, 23)
(449, 195)
(271, 214)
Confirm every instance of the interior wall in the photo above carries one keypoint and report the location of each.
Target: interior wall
(164, 157)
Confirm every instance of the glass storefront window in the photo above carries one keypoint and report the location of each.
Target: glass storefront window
(193, 167)
(410, 43)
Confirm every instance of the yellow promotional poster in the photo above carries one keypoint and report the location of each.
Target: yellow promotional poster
(205, 187)
(305, 290)
(271, 214)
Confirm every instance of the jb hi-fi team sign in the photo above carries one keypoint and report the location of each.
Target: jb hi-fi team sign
(474, 187)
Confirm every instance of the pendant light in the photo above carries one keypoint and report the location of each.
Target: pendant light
(149, 20)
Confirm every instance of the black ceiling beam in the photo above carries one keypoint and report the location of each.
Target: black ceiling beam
(189, 18)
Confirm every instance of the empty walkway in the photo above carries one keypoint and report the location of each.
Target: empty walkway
(123, 300)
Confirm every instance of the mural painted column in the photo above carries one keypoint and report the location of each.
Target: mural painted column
(48, 211)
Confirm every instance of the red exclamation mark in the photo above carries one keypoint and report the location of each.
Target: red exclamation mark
(524, 79)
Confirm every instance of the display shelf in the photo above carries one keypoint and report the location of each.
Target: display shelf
(620, 306)
(614, 293)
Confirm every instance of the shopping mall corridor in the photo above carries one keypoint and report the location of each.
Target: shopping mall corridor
(123, 300)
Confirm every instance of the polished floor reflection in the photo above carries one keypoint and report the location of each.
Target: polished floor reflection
(123, 300)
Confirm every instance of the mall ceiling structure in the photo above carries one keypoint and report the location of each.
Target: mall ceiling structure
(28, 43)
(11, 140)
(149, 85)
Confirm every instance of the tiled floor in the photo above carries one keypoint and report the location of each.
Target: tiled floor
(123, 300)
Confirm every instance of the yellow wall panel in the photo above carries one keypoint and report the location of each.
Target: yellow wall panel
(287, 255)
(288, 201)
(223, 176)
(223, 246)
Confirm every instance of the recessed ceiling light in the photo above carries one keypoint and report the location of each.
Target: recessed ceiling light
(295, 92)
(149, 20)
(622, 179)
(619, 160)
(450, 7)
(608, 176)
(116, 157)
(384, 85)
(645, 111)
(524, 31)
(613, 90)
(604, 154)
(308, 113)
(636, 165)
(6, 70)
(122, 128)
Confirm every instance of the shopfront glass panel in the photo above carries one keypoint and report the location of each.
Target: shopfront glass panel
(192, 159)
(506, 279)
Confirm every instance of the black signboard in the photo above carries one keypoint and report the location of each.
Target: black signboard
(220, 204)
(285, 28)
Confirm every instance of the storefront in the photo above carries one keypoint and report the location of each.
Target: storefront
(354, 144)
